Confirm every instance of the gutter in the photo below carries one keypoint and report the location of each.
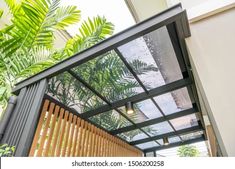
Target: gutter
(7, 114)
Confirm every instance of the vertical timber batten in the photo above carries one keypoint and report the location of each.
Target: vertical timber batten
(69, 136)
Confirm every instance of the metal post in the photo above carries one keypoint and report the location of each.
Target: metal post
(12, 121)
(21, 126)
(33, 114)
(154, 154)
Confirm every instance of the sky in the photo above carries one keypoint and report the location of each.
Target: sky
(115, 11)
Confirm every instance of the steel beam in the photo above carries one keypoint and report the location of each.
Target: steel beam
(140, 97)
(156, 120)
(170, 134)
(171, 28)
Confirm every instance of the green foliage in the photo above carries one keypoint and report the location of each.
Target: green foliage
(34, 24)
(106, 73)
(26, 47)
(26, 44)
(110, 77)
(188, 151)
(91, 32)
(6, 151)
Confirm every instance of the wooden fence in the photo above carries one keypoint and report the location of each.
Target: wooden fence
(61, 133)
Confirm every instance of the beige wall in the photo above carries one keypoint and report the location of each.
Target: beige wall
(140, 13)
(187, 4)
(212, 52)
(61, 38)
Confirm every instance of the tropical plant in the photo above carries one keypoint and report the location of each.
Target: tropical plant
(188, 151)
(108, 75)
(27, 44)
(28, 40)
(6, 150)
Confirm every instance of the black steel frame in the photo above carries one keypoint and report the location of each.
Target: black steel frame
(202, 138)
(156, 120)
(175, 20)
(172, 14)
(170, 134)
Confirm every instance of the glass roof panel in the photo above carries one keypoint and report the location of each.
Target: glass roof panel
(184, 122)
(108, 75)
(147, 145)
(150, 154)
(110, 120)
(160, 141)
(174, 139)
(159, 128)
(174, 101)
(156, 50)
(144, 111)
(170, 139)
(190, 136)
(133, 135)
(72, 93)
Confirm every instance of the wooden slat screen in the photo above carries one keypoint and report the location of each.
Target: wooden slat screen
(61, 133)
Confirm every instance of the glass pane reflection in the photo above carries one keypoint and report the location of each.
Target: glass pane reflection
(174, 101)
(110, 120)
(133, 135)
(184, 122)
(155, 49)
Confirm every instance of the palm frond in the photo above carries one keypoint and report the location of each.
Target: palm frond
(66, 16)
(13, 5)
(141, 67)
(1, 13)
(35, 22)
(91, 32)
(40, 59)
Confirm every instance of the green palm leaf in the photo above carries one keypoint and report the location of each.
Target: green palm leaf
(26, 44)
(91, 32)
(1, 13)
(35, 23)
(13, 5)
(66, 16)
(141, 67)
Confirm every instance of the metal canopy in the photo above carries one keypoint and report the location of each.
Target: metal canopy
(146, 65)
